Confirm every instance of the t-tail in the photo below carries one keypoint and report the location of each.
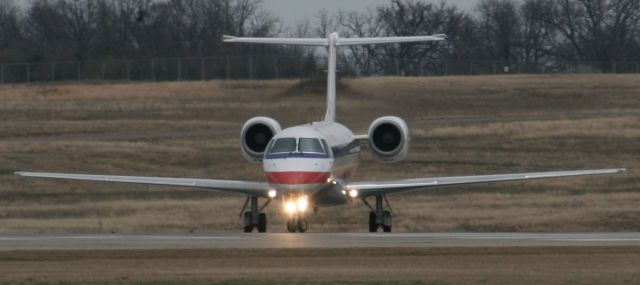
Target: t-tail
(332, 43)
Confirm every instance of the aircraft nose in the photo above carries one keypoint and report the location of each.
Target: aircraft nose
(290, 172)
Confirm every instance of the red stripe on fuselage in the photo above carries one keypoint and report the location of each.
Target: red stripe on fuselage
(297, 177)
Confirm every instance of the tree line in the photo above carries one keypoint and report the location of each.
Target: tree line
(532, 32)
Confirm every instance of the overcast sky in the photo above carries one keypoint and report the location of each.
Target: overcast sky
(291, 11)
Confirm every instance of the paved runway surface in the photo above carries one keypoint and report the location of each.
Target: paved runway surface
(315, 240)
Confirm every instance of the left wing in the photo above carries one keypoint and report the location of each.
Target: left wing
(229, 186)
(398, 186)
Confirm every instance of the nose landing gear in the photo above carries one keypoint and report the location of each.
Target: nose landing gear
(297, 224)
(379, 217)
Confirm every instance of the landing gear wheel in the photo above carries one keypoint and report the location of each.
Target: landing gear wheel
(291, 225)
(248, 223)
(386, 221)
(262, 223)
(373, 224)
(302, 225)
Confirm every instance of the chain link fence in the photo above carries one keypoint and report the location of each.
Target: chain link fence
(279, 67)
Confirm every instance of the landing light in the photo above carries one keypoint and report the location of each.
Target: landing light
(272, 193)
(302, 204)
(290, 207)
(353, 193)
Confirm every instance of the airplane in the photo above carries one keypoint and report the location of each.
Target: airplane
(311, 166)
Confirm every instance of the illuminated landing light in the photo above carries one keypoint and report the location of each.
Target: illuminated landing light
(290, 207)
(302, 204)
(344, 192)
(272, 193)
(353, 193)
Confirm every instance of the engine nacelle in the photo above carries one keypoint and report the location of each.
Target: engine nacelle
(389, 139)
(256, 134)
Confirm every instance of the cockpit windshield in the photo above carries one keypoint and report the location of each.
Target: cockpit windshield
(292, 147)
(283, 145)
(310, 145)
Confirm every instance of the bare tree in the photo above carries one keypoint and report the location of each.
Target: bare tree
(499, 28)
(10, 34)
(600, 30)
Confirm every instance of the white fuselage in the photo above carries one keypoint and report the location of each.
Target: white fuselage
(320, 176)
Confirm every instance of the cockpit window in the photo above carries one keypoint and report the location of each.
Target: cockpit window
(309, 145)
(283, 145)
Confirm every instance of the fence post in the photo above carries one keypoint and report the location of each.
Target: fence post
(153, 70)
(615, 70)
(275, 66)
(495, 68)
(202, 72)
(28, 73)
(397, 67)
(228, 67)
(53, 72)
(470, 67)
(250, 67)
(421, 69)
(2, 74)
(128, 71)
(104, 70)
(78, 70)
(637, 67)
(179, 69)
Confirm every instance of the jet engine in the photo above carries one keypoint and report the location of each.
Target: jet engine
(256, 134)
(389, 139)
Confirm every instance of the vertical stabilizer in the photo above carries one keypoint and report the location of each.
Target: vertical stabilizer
(332, 43)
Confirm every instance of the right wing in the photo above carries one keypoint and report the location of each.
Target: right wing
(405, 185)
(229, 186)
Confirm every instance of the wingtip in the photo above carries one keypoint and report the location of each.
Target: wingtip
(442, 36)
(227, 38)
(18, 173)
(621, 170)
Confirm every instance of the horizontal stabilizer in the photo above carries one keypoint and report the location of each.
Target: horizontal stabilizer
(281, 41)
(388, 40)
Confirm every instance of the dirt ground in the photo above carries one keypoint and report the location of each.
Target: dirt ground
(460, 126)
(545, 265)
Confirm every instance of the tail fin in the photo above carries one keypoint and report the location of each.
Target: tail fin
(332, 43)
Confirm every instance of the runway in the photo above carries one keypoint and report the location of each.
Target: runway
(314, 240)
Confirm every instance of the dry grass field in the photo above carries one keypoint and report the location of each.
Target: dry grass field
(460, 126)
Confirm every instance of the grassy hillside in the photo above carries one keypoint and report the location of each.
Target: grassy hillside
(460, 126)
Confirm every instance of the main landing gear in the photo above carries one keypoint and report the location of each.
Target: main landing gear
(254, 218)
(379, 217)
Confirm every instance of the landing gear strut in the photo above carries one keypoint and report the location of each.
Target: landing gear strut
(379, 217)
(255, 218)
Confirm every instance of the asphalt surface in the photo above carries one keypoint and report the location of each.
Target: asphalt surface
(314, 240)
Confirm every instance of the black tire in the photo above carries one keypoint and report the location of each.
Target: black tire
(302, 225)
(291, 225)
(248, 223)
(373, 224)
(262, 223)
(387, 221)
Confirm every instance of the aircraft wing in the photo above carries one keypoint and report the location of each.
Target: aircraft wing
(228, 186)
(398, 186)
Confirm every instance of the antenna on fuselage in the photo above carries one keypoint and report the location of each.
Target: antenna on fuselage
(332, 42)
